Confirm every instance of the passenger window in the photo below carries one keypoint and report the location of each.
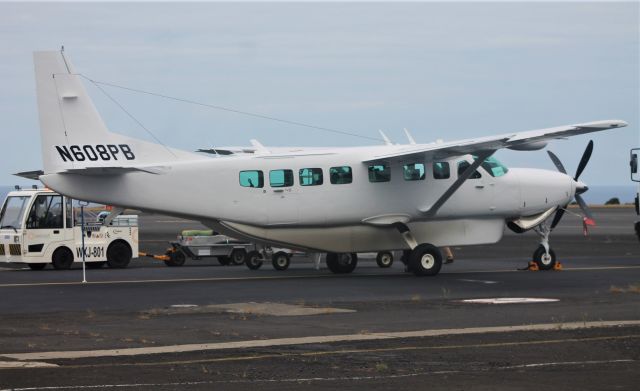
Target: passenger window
(46, 213)
(310, 176)
(414, 172)
(462, 166)
(281, 178)
(340, 175)
(441, 170)
(251, 179)
(379, 173)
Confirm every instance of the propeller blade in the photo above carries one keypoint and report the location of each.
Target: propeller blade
(557, 217)
(585, 159)
(584, 207)
(557, 162)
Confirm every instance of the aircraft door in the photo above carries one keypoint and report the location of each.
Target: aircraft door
(281, 198)
(476, 195)
(45, 224)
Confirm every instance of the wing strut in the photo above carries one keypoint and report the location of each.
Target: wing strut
(430, 212)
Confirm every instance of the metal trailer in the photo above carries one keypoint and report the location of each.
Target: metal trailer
(206, 244)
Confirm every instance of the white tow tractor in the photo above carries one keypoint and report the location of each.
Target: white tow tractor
(39, 227)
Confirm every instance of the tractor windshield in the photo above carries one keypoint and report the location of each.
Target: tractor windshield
(12, 212)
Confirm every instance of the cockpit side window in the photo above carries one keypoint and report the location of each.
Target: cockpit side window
(494, 167)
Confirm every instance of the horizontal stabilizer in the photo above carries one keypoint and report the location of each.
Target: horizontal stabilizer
(35, 175)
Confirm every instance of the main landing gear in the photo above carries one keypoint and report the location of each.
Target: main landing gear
(423, 259)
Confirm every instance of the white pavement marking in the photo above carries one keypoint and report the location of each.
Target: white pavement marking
(314, 379)
(289, 277)
(554, 364)
(312, 340)
(479, 281)
(25, 364)
(510, 300)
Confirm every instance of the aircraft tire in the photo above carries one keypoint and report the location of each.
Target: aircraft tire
(384, 259)
(37, 266)
(62, 258)
(118, 255)
(544, 261)
(95, 265)
(253, 260)
(280, 260)
(237, 256)
(425, 260)
(342, 263)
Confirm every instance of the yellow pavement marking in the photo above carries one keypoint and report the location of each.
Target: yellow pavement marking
(312, 340)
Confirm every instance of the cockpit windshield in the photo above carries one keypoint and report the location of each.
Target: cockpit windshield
(494, 167)
(12, 212)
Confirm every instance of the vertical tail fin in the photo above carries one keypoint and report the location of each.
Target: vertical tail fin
(67, 114)
(73, 134)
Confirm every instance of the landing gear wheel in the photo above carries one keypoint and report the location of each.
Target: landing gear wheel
(342, 262)
(237, 256)
(95, 265)
(37, 266)
(280, 260)
(543, 260)
(118, 255)
(176, 258)
(253, 260)
(384, 259)
(224, 260)
(62, 259)
(425, 260)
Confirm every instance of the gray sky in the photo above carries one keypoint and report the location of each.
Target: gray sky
(444, 71)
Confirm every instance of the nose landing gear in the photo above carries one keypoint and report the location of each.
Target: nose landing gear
(544, 258)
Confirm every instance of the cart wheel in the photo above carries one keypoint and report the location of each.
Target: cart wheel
(253, 260)
(384, 259)
(280, 260)
(176, 258)
(224, 260)
(237, 256)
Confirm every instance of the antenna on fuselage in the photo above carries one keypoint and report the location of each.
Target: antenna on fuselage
(385, 138)
(409, 136)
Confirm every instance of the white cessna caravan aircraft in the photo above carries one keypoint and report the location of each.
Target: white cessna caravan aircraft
(339, 201)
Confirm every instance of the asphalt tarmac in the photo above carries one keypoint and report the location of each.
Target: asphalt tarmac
(206, 326)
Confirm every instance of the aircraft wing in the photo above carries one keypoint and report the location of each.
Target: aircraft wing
(524, 141)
